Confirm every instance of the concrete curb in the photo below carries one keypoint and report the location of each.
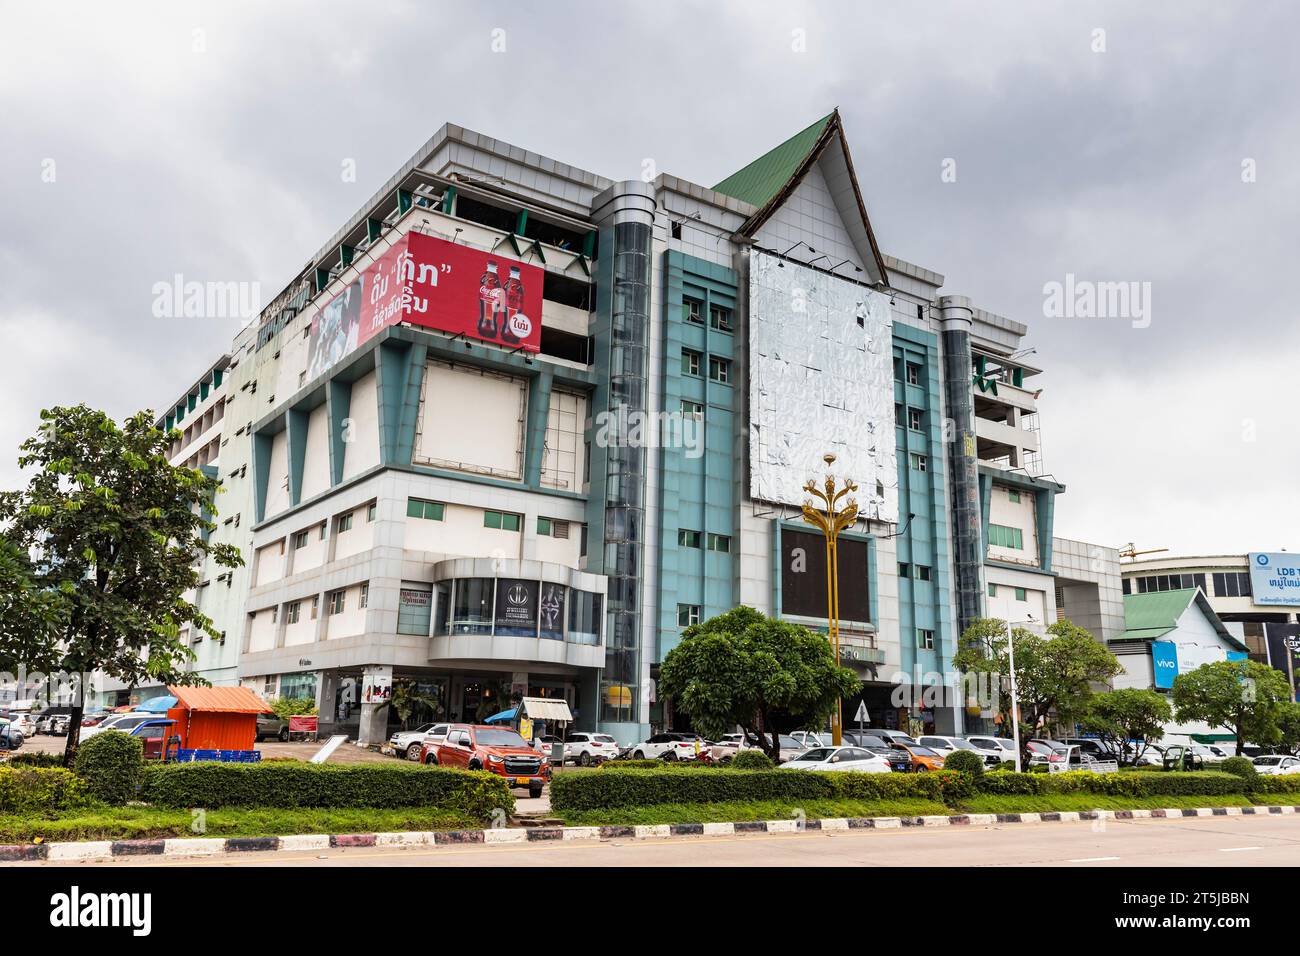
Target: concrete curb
(198, 847)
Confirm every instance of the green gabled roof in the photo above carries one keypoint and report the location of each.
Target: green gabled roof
(1154, 614)
(762, 179)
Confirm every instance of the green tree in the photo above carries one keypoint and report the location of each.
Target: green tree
(118, 535)
(1119, 716)
(1055, 673)
(1245, 697)
(745, 669)
(29, 614)
(1288, 724)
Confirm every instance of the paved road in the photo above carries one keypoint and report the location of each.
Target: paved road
(1198, 841)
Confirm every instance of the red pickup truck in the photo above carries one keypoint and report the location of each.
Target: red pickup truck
(497, 750)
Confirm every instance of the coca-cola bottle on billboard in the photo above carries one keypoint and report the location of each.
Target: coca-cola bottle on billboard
(489, 302)
(517, 326)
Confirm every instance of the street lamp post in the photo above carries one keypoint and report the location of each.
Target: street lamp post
(1015, 698)
(831, 516)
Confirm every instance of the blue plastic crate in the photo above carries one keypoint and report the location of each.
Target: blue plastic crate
(219, 756)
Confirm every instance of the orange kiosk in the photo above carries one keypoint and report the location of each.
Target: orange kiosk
(222, 719)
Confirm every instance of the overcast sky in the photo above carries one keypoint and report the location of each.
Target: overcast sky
(1148, 146)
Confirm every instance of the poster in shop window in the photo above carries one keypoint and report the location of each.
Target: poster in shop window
(516, 610)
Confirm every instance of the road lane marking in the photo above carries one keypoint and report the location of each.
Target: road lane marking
(1238, 849)
(1092, 859)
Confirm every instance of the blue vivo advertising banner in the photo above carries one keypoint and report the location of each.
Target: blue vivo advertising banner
(1275, 577)
(1164, 663)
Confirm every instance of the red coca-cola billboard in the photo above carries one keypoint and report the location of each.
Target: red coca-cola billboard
(435, 284)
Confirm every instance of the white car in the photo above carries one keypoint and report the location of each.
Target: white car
(588, 748)
(1001, 747)
(410, 743)
(947, 746)
(849, 759)
(669, 746)
(124, 722)
(1210, 753)
(1277, 765)
(23, 723)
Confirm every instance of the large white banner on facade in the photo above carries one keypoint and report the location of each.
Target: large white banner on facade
(820, 382)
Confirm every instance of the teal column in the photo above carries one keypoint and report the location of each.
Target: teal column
(261, 472)
(297, 453)
(338, 400)
(399, 371)
(409, 411)
(539, 407)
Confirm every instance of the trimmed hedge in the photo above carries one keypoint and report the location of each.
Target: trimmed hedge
(617, 787)
(965, 761)
(35, 758)
(387, 786)
(625, 787)
(752, 760)
(632, 764)
(1280, 785)
(110, 763)
(39, 790)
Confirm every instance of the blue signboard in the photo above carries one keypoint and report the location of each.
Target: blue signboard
(1275, 577)
(1164, 663)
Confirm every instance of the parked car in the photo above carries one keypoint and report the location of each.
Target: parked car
(1277, 765)
(153, 734)
(1209, 753)
(670, 745)
(850, 759)
(410, 743)
(1092, 747)
(124, 722)
(269, 725)
(900, 761)
(54, 725)
(1152, 756)
(1001, 747)
(95, 719)
(923, 758)
(545, 743)
(947, 746)
(23, 723)
(497, 750)
(806, 739)
(11, 738)
(891, 736)
(1044, 751)
(588, 748)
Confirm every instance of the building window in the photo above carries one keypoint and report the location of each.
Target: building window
(904, 570)
(693, 311)
(552, 528)
(720, 542)
(372, 510)
(321, 529)
(502, 520)
(343, 523)
(688, 614)
(300, 540)
(364, 600)
(336, 601)
(315, 606)
(898, 413)
(993, 590)
(922, 572)
(913, 374)
(428, 510)
(688, 539)
(544, 527)
(295, 612)
(1003, 537)
(692, 410)
(414, 604)
(719, 319)
(1020, 594)
(1231, 584)
(925, 639)
(690, 362)
(914, 419)
(275, 613)
(720, 370)
(918, 462)
(1013, 496)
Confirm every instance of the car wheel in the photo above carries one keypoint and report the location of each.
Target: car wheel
(431, 760)
(475, 765)
(534, 792)
(413, 752)
(284, 735)
(670, 756)
(584, 759)
(921, 768)
(639, 755)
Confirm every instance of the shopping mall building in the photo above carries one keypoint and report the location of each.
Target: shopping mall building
(516, 425)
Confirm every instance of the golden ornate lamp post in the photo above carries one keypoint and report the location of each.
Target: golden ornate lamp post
(826, 511)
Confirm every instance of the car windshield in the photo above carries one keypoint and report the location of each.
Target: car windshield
(924, 752)
(499, 738)
(1267, 761)
(789, 742)
(814, 755)
(603, 738)
(962, 744)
